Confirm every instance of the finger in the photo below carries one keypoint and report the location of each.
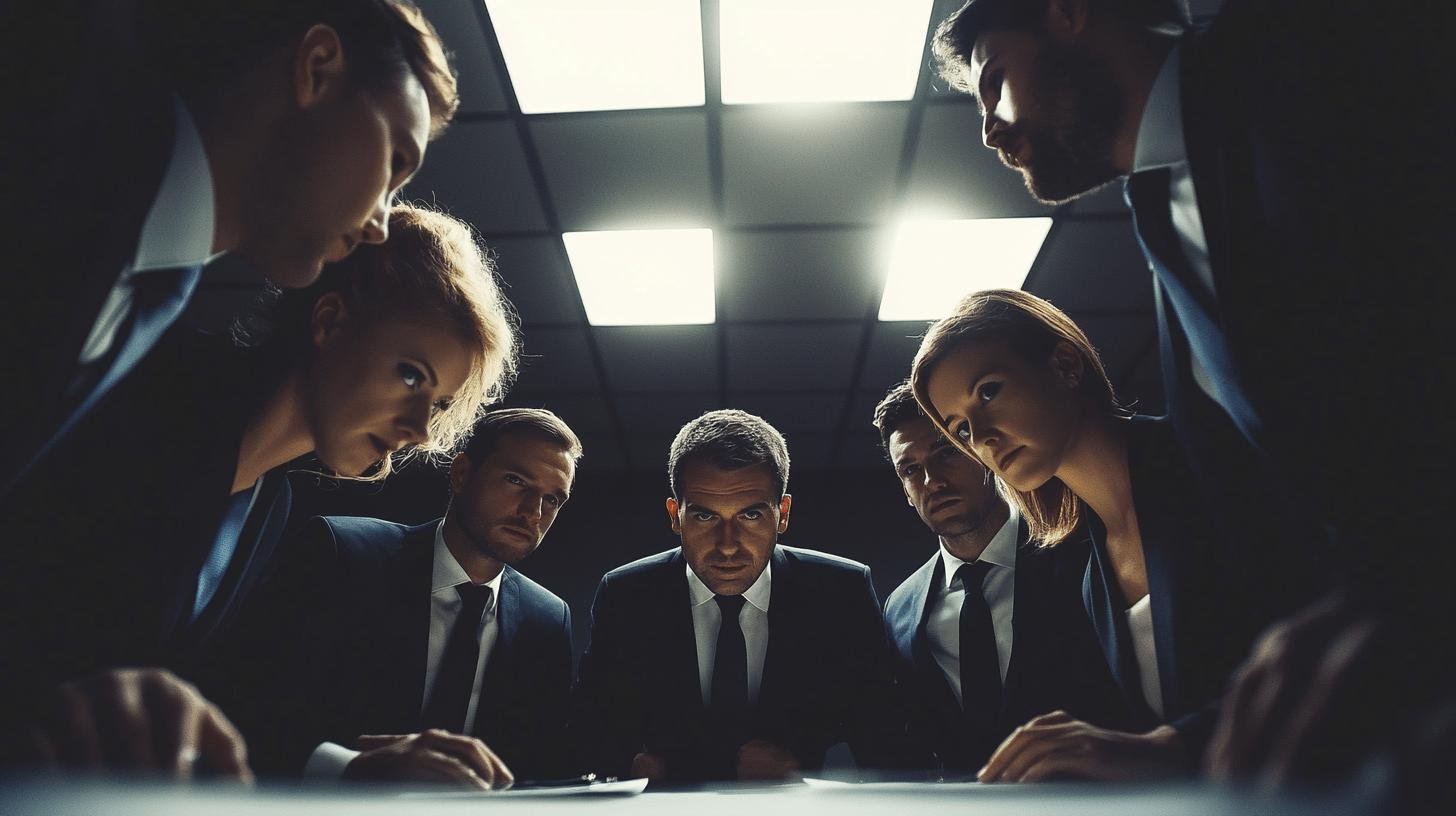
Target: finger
(1333, 690)
(1060, 765)
(179, 726)
(220, 745)
(1053, 718)
(472, 752)
(123, 723)
(1034, 750)
(447, 768)
(75, 731)
(1235, 728)
(1025, 743)
(369, 742)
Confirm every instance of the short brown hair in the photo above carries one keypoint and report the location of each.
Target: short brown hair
(534, 421)
(204, 45)
(729, 439)
(431, 268)
(955, 37)
(897, 408)
(1032, 327)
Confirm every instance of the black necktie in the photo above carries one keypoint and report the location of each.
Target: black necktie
(980, 662)
(730, 666)
(455, 680)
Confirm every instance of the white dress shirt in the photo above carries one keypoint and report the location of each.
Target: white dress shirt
(330, 759)
(943, 617)
(1145, 650)
(752, 618)
(1160, 143)
(178, 230)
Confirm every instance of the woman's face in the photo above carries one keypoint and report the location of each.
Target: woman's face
(1016, 416)
(374, 385)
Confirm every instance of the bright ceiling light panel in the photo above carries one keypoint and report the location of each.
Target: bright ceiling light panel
(580, 55)
(934, 263)
(821, 50)
(644, 277)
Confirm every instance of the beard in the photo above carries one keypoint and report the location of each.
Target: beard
(1071, 148)
(481, 535)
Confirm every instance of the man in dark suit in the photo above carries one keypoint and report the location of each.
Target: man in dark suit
(980, 660)
(732, 657)
(1294, 257)
(417, 636)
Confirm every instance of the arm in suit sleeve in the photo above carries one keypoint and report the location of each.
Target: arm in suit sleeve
(878, 729)
(606, 711)
(554, 753)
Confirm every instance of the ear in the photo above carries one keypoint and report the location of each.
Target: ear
(672, 515)
(1068, 364)
(1066, 19)
(460, 470)
(784, 505)
(319, 69)
(329, 314)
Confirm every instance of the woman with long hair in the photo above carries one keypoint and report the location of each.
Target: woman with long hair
(1180, 579)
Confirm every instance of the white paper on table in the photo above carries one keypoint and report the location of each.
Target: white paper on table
(624, 787)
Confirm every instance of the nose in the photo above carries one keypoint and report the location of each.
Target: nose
(728, 538)
(415, 422)
(933, 478)
(376, 229)
(531, 508)
(993, 131)
(984, 437)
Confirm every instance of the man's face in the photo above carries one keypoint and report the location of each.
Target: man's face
(1051, 111)
(729, 522)
(330, 177)
(506, 503)
(948, 489)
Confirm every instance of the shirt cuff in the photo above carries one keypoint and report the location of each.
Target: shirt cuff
(328, 761)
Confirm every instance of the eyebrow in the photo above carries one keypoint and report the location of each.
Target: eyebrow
(429, 369)
(758, 505)
(981, 82)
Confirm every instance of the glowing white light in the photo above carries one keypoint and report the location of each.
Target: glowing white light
(578, 55)
(934, 263)
(644, 277)
(821, 50)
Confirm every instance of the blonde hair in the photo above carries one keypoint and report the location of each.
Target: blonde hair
(432, 268)
(1032, 327)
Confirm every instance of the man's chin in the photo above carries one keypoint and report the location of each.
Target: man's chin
(1054, 192)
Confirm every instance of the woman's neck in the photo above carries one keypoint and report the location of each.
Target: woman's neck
(1095, 468)
(277, 433)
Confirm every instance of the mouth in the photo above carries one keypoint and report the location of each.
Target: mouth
(941, 504)
(729, 569)
(518, 532)
(1008, 457)
(383, 449)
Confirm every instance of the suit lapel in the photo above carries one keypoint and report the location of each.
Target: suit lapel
(496, 679)
(784, 618)
(1159, 543)
(680, 641)
(1110, 623)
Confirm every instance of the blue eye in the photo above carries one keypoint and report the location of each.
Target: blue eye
(988, 391)
(412, 376)
(963, 431)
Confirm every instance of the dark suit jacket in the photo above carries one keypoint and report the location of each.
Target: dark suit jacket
(1215, 578)
(1329, 248)
(1056, 661)
(103, 547)
(81, 168)
(359, 591)
(827, 674)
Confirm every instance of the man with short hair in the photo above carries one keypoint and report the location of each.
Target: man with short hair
(990, 632)
(1297, 261)
(422, 645)
(732, 656)
(157, 134)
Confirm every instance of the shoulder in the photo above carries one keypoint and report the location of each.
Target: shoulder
(537, 597)
(365, 539)
(907, 594)
(644, 569)
(814, 561)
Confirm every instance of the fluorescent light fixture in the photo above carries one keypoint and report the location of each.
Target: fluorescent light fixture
(644, 277)
(821, 50)
(934, 263)
(580, 55)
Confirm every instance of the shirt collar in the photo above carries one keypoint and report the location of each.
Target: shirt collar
(758, 594)
(1160, 134)
(1000, 552)
(448, 573)
(179, 226)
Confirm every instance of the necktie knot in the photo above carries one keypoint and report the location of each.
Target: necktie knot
(474, 599)
(730, 605)
(973, 575)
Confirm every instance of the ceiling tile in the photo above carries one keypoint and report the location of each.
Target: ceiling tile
(1121, 341)
(583, 413)
(556, 360)
(658, 414)
(799, 274)
(627, 170)
(601, 453)
(793, 412)
(478, 172)
(811, 165)
(955, 176)
(647, 453)
(862, 450)
(862, 412)
(1093, 265)
(808, 451)
(791, 357)
(891, 350)
(538, 280)
(460, 28)
(659, 358)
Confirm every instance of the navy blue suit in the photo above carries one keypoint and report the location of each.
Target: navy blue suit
(1056, 661)
(1215, 580)
(104, 545)
(341, 633)
(827, 675)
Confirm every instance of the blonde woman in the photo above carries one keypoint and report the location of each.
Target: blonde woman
(1179, 581)
(158, 518)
